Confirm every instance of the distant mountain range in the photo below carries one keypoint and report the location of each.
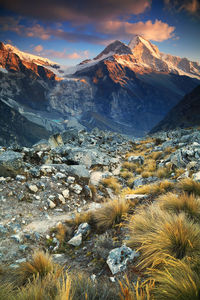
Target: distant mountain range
(126, 88)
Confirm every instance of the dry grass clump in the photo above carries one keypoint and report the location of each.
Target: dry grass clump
(146, 174)
(149, 165)
(110, 214)
(169, 150)
(136, 291)
(126, 174)
(164, 172)
(155, 188)
(83, 288)
(40, 265)
(158, 234)
(6, 291)
(189, 204)
(156, 155)
(112, 183)
(190, 186)
(179, 172)
(130, 166)
(82, 217)
(176, 281)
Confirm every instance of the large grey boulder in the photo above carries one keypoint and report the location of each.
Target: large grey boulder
(11, 163)
(118, 258)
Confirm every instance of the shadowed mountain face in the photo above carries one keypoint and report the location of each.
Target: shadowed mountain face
(15, 129)
(185, 114)
(128, 89)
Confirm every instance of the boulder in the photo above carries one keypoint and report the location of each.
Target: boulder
(11, 163)
(118, 258)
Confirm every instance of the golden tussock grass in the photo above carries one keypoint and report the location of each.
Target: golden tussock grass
(146, 174)
(154, 189)
(40, 265)
(110, 214)
(112, 183)
(6, 291)
(164, 172)
(136, 291)
(189, 204)
(149, 165)
(190, 186)
(179, 172)
(131, 166)
(126, 174)
(176, 281)
(156, 155)
(157, 234)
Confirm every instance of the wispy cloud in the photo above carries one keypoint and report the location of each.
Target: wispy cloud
(158, 31)
(76, 11)
(53, 54)
(36, 30)
(191, 6)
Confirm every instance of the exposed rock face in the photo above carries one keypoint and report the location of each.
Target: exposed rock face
(12, 62)
(184, 114)
(16, 129)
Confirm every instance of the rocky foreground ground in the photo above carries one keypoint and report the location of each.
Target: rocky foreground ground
(50, 195)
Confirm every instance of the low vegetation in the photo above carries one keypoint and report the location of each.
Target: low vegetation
(190, 186)
(111, 183)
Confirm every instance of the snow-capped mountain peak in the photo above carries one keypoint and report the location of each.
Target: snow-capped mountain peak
(140, 44)
(30, 57)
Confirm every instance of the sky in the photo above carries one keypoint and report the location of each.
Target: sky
(70, 31)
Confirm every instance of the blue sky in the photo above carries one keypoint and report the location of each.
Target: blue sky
(71, 31)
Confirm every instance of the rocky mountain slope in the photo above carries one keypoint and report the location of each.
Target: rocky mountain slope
(68, 195)
(17, 130)
(127, 88)
(184, 114)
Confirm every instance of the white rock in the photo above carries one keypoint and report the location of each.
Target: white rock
(70, 179)
(32, 188)
(76, 240)
(61, 199)
(76, 188)
(65, 193)
(51, 204)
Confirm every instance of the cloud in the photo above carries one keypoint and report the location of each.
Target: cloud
(158, 31)
(76, 11)
(104, 32)
(38, 48)
(53, 54)
(191, 6)
(35, 30)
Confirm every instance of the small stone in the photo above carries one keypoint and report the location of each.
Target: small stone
(65, 193)
(70, 179)
(51, 204)
(20, 178)
(61, 199)
(93, 277)
(17, 238)
(76, 240)
(76, 188)
(32, 188)
(112, 279)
